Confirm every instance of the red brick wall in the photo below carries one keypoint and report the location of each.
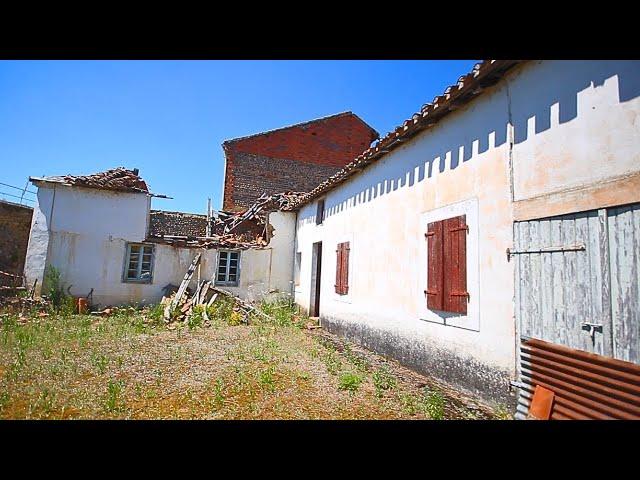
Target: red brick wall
(321, 147)
(15, 225)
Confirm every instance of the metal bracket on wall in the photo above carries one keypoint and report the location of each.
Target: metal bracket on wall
(592, 328)
(567, 248)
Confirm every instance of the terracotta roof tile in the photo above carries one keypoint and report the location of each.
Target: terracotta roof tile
(118, 179)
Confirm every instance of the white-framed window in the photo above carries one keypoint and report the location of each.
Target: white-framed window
(138, 263)
(228, 271)
(461, 284)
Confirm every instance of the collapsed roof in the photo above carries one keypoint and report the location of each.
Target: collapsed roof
(117, 179)
(241, 230)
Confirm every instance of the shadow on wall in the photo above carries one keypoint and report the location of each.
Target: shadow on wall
(483, 125)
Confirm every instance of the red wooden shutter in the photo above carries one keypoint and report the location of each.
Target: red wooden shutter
(435, 287)
(455, 265)
(345, 268)
(338, 284)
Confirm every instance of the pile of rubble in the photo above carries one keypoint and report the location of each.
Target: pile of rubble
(242, 230)
(179, 306)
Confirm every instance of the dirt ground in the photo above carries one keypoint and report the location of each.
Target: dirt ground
(130, 366)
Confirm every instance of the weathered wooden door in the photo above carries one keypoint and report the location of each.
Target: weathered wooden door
(577, 279)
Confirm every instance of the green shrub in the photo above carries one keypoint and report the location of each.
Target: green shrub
(350, 382)
(155, 313)
(196, 319)
(434, 404)
(54, 287)
(114, 392)
(383, 380)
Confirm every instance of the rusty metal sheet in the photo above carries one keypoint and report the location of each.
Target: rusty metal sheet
(541, 404)
(585, 385)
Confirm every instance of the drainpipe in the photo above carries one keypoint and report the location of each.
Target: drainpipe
(293, 265)
(511, 141)
(49, 234)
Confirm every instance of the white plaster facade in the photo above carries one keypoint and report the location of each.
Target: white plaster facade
(83, 232)
(549, 127)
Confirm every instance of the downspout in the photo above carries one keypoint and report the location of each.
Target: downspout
(511, 141)
(293, 264)
(50, 234)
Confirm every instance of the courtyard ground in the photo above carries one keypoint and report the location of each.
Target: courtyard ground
(131, 365)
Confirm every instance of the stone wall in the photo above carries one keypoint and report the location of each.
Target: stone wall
(15, 224)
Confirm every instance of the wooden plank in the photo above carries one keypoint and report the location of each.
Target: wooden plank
(338, 285)
(583, 305)
(518, 274)
(345, 267)
(605, 268)
(558, 284)
(204, 291)
(435, 264)
(574, 333)
(536, 280)
(183, 287)
(600, 312)
(546, 283)
(525, 281)
(624, 236)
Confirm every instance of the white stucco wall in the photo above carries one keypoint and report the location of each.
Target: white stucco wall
(462, 165)
(576, 123)
(83, 233)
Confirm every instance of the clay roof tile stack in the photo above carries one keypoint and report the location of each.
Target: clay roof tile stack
(118, 179)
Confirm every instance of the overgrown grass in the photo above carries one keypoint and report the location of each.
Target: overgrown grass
(129, 365)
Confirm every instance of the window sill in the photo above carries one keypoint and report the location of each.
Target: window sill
(137, 281)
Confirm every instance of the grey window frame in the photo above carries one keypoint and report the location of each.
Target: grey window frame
(227, 283)
(127, 255)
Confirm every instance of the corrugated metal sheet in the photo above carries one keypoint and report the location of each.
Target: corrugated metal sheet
(586, 385)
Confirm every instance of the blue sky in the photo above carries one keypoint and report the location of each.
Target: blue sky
(169, 118)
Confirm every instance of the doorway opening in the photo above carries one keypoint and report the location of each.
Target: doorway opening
(316, 270)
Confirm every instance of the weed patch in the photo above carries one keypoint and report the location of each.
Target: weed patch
(350, 382)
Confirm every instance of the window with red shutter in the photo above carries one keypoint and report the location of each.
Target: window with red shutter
(455, 265)
(345, 268)
(338, 284)
(435, 260)
(447, 265)
(342, 268)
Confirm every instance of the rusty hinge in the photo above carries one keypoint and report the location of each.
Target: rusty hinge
(430, 292)
(429, 234)
(457, 229)
(460, 294)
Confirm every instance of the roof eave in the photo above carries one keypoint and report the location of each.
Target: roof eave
(454, 97)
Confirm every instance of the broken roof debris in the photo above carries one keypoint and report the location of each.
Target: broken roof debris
(117, 179)
(242, 230)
